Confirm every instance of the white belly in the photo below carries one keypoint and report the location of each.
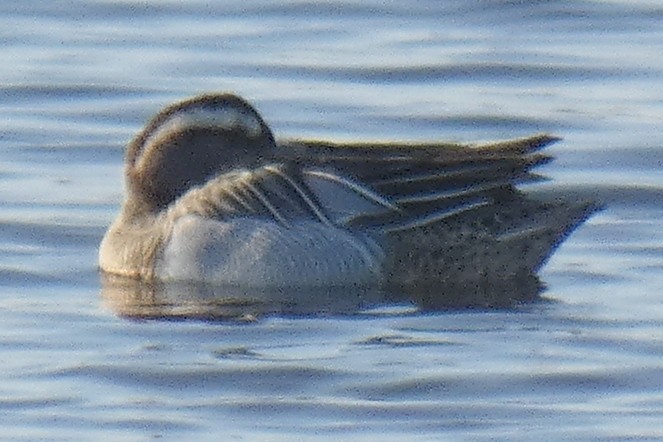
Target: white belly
(260, 253)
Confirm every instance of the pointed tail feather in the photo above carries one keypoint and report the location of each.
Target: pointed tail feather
(539, 238)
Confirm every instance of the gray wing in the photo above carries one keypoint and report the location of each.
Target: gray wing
(284, 193)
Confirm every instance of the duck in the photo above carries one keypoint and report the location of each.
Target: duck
(213, 197)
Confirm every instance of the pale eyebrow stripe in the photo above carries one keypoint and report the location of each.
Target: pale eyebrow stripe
(223, 118)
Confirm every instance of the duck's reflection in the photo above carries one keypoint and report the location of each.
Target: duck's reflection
(137, 299)
(158, 300)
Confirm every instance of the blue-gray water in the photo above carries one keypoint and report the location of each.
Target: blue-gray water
(79, 78)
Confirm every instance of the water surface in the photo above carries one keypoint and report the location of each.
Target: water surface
(78, 79)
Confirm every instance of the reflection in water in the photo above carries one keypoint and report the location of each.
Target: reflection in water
(138, 299)
(184, 300)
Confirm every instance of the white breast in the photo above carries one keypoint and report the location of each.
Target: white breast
(262, 253)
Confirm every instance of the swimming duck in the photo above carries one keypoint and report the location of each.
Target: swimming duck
(213, 198)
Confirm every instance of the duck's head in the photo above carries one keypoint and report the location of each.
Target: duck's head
(188, 143)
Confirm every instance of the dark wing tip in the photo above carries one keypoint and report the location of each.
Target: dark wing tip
(520, 146)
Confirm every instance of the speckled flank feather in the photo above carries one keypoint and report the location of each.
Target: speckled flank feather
(485, 258)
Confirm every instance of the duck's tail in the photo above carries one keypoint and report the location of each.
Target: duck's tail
(543, 227)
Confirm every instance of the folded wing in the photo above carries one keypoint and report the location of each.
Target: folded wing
(387, 188)
(428, 182)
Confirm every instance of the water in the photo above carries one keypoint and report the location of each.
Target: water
(78, 79)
